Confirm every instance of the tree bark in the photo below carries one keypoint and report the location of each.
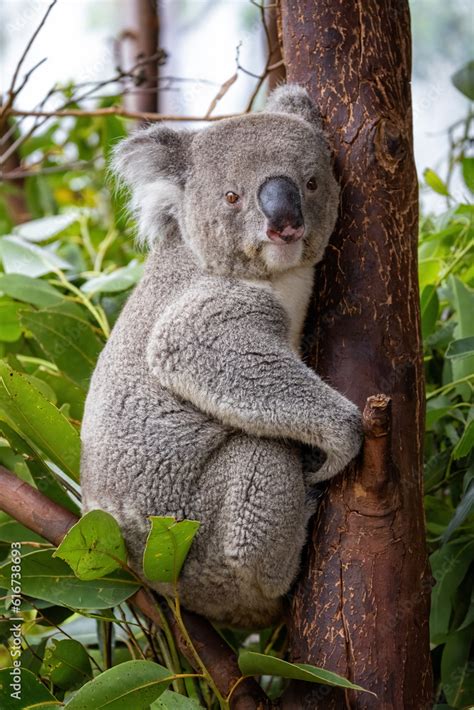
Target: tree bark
(145, 29)
(361, 606)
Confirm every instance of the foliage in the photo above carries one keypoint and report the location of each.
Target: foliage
(66, 275)
(447, 304)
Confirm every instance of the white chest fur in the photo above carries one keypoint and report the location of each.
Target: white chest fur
(293, 290)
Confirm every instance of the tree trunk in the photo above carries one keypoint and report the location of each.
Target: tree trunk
(145, 29)
(361, 606)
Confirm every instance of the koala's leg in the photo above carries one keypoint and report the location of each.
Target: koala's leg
(265, 512)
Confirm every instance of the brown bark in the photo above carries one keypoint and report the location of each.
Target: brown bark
(145, 40)
(361, 607)
(50, 520)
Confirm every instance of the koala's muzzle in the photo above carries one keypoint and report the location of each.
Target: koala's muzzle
(280, 201)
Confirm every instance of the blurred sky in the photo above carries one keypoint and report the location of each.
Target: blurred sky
(201, 37)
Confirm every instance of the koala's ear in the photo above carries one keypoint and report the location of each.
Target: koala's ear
(295, 100)
(153, 164)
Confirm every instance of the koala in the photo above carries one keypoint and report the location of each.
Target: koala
(200, 406)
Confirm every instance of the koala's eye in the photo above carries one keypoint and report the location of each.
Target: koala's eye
(312, 184)
(231, 197)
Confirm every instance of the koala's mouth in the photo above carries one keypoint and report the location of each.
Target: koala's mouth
(285, 236)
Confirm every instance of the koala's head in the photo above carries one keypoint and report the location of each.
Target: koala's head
(251, 195)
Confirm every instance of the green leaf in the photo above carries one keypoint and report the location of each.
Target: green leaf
(464, 347)
(46, 577)
(66, 663)
(467, 165)
(463, 80)
(70, 342)
(67, 392)
(253, 664)
(464, 508)
(12, 531)
(449, 565)
(466, 442)
(428, 271)
(21, 257)
(429, 310)
(45, 480)
(35, 291)
(174, 701)
(24, 408)
(463, 302)
(166, 548)
(31, 691)
(119, 280)
(39, 230)
(10, 328)
(133, 684)
(94, 546)
(434, 181)
(457, 671)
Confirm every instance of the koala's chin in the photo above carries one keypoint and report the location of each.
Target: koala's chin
(282, 257)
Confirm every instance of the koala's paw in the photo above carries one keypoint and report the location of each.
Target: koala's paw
(345, 445)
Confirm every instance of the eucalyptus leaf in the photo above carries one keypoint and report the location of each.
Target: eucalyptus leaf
(133, 684)
(174, 701)
(49, 578)
(70, 342)
(255, 664)
(457, 669)
(43, 426)
(464, 347)
(167, 546)
(119, 280)
(22, 257)
(66, 663)
(30, 692)
(463, 80)
(434, 181)
(94, 546)
(29, 290)
(449, 565)
(10, 328)
(40, 230)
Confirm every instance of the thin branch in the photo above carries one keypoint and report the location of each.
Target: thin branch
(11, 90)
(221, 93)
(119, 111)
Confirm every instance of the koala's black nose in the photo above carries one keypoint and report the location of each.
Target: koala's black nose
(280, 201)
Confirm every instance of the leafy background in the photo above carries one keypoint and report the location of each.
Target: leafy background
(65, 277)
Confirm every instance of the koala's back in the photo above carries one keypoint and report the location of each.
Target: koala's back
(136, 436)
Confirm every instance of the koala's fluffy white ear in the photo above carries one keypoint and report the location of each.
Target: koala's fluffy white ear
(153, 164)
(294, 99)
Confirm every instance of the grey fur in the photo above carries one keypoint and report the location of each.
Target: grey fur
(200, 406)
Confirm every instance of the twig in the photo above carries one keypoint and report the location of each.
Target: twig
(221, 93)
(11, 90)
(119, 111)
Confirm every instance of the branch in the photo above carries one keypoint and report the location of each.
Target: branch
(50, 520)
(118, 111)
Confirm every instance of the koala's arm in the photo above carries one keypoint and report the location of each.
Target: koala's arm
(225, 349)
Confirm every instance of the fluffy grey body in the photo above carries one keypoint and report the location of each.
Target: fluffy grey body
(200, 405)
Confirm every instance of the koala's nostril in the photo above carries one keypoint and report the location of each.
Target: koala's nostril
(280, 201)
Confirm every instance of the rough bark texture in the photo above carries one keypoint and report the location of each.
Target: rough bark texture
(146, 28)
(40, 514)
(361, 607)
